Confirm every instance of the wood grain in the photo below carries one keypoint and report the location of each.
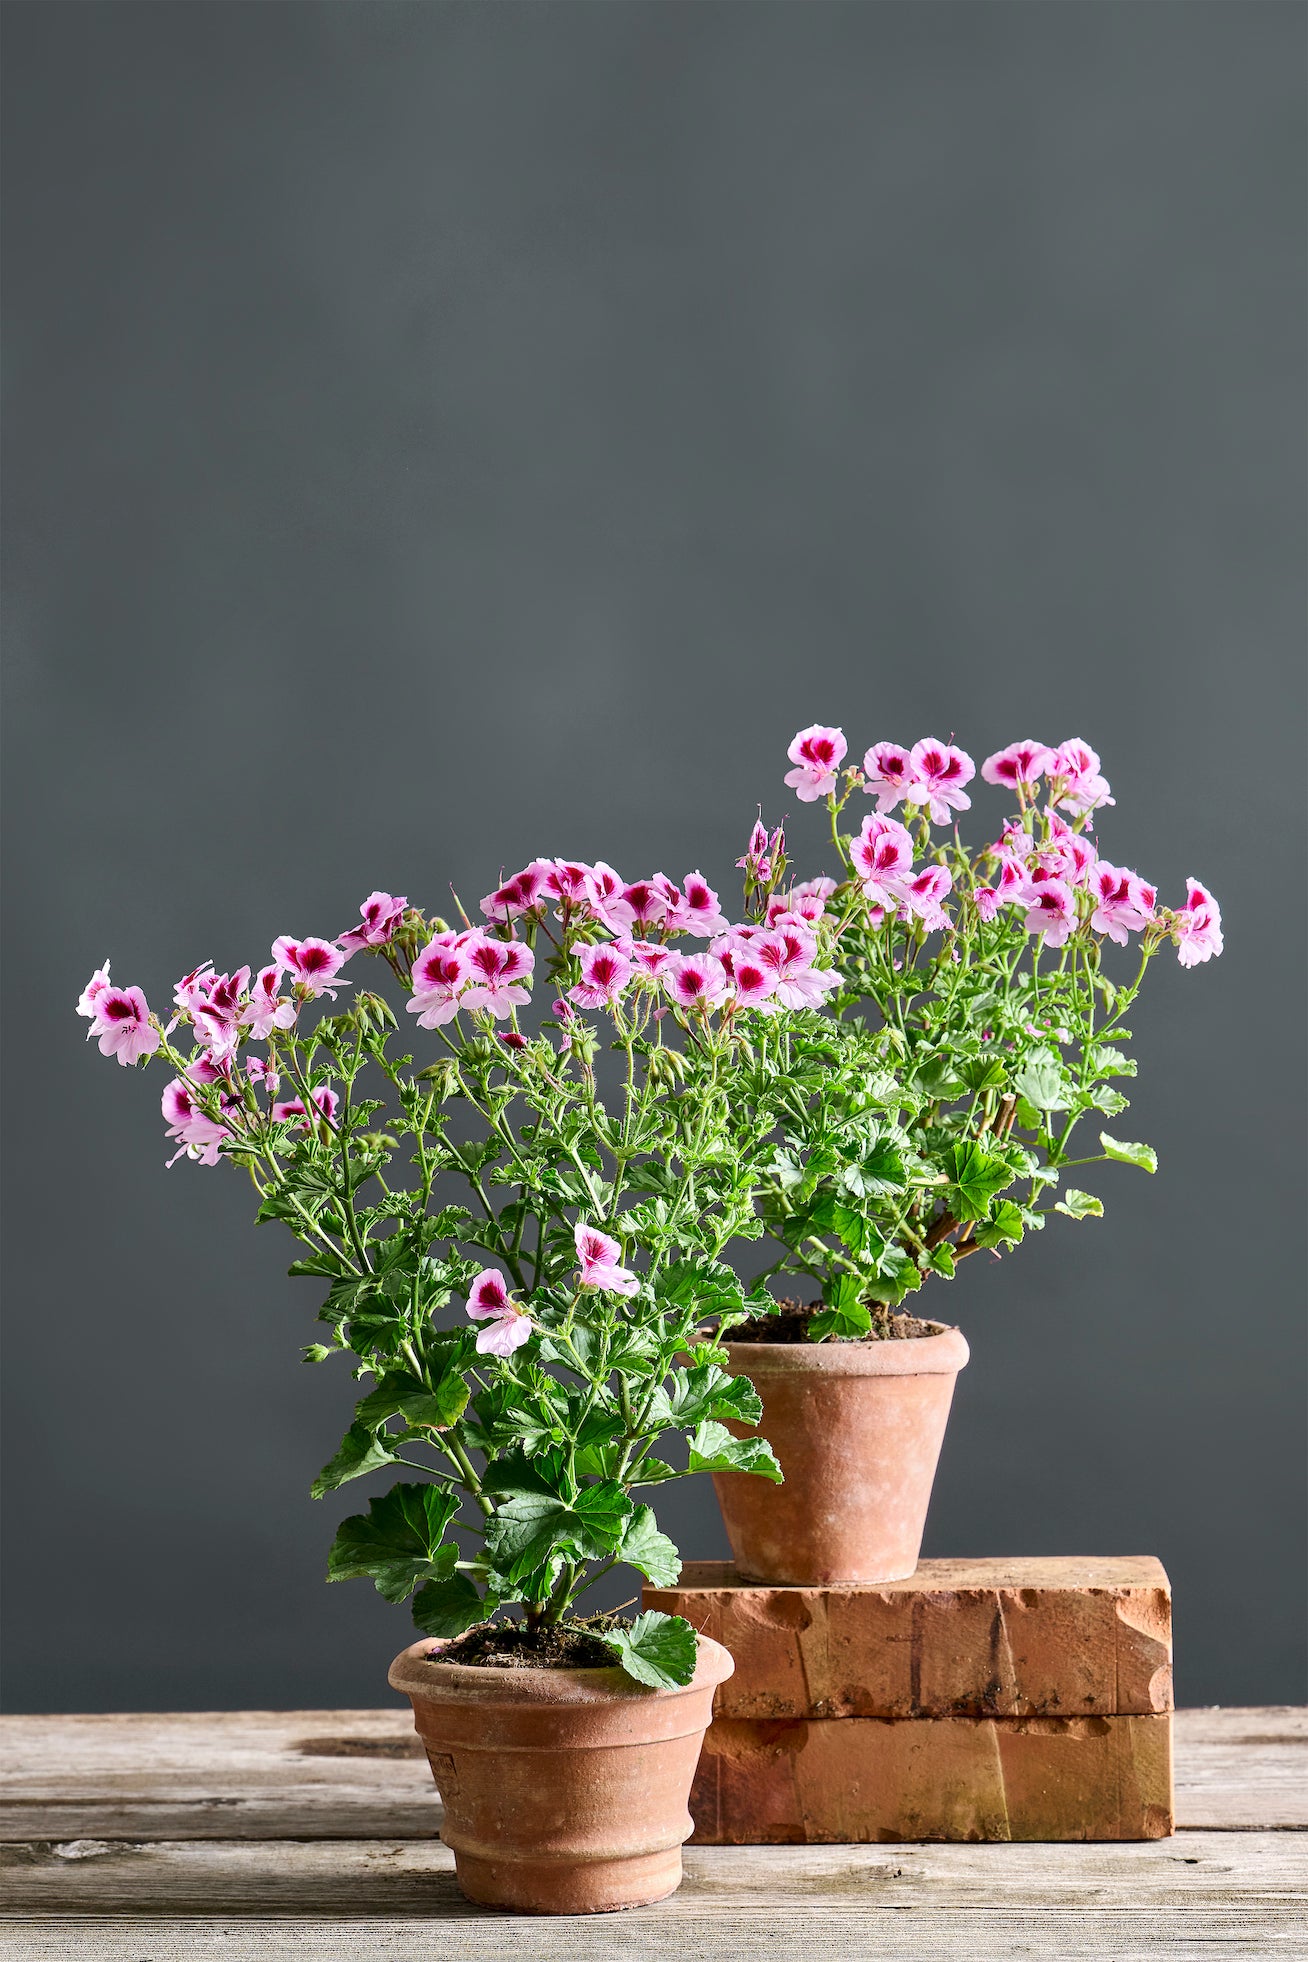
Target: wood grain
(282, 1851)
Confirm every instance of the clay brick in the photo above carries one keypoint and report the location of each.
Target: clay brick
(864, 1778)
(974, 1638)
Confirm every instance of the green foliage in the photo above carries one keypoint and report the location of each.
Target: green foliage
(657, 1649)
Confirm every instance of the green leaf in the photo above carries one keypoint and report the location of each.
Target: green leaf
(1006, 1225)
(1142, 1155)
(976, 1176)
(713, 1448)
(401, 1394)
(981, 1072)
(658, 1650)
(1041, 1083)
(880, 1172)
(397, 1542)
(706, 1392)
(362, 1450)
(447, 1607)
(1080, 1205)
(854, 1320)
(707, 1286)
(644, 1547)
(938, 1079)
(531, 1526)
(942, 1260)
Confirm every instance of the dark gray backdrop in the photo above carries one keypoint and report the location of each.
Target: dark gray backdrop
(443, 434)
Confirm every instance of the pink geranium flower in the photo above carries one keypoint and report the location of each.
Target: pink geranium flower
(1051, 911)
(324, 1100)
(753, 983)
(193, 988)
(987, 902)
(818, 753)
(495, 969)
(640, 905)
(604, 974)
(313, 964)
(1019, 767)
(525, 892)
(1075, 773)
(887, 771)
(381, 913)
(646, 954)
(218, 1018)
(98, 982)
(507, 1326)
(804, 904)
(883, 858)
(197, 1137)
(121, 1023)
(787, 954)
(763, 854)
(266, 1009)
(439, 974)
(261, 1072)
(568, 881)
(603, 886)
(1073, 853)
(1196, 926)
(698, 910)
(599, 1257)
(1123, 903)
(695, 980)
(938, 773)
(922, 894)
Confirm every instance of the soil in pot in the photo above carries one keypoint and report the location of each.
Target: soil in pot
(566, 1788)
(790, 1324)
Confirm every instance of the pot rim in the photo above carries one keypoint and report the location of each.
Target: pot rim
(414, 1674)
(942, 1354)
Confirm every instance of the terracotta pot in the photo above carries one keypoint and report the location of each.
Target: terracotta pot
(857, 1428)
(565, 1790)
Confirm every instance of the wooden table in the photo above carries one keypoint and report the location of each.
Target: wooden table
(310, 1833)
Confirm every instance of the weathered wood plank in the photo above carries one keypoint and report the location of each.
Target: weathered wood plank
(349, 1879)
(355, 1774)
(910, 1934)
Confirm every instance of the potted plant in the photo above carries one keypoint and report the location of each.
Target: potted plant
(932, 1107)
(520, 1234)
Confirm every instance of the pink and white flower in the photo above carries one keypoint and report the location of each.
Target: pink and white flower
(787, 954)
(439, 974)
(695, 980)
(121, 1023)
(921, 895)
(817, 753)
(313, 964)
(600, 1258)
(525, 892)
(1196, 927)
(1019, 767)
(262, 1073)
(804, 904)
(97, 984)
(938, 774)
(218, 1018)
(883, 858)
(196, 1136)
(325, 1102)
(1075, 773)
(987, 902)
(1051, 910)
(381, 913)
(568, 881)
(603, 886)
(1070, 850)
(650, 955)
(642, 904)
(887, 772)
(193, 988)
(698, 910)
(604, 974)
(753, 984)
(1124, 904)
(507, 1325)
(763, 854)
(495, 970)
(267, 1009)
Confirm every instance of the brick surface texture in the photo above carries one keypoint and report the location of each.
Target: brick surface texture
(979, 1699)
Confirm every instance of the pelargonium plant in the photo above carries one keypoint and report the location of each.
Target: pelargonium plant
(932, 1108)
(526, 1267)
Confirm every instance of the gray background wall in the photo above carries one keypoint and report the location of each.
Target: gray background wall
(441, 434)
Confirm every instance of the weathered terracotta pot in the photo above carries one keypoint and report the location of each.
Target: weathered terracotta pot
(857, 1428)
(565, 1790)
